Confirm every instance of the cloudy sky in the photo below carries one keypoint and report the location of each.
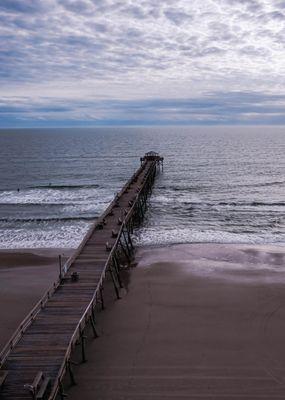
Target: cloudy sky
(92, 62)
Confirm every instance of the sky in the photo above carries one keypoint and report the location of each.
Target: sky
(141, 62)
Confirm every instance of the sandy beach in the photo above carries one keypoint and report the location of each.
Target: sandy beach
(24, 277)
(200, 321)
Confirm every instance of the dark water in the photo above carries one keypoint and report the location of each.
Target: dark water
(219, 184)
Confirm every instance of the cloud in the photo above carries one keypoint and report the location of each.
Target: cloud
(25, 7)
(76, 6)
(177, 16)
(85, 52)
(215, 108)
(273, 16)
(254, 51)
(135, 11)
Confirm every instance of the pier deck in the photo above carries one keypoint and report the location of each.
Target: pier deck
(38, 355)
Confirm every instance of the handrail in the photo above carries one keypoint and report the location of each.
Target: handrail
(16, 336)
(99, 220)
(91, 303)
(25, 323)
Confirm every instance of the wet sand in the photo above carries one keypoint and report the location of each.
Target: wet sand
(197, 322)
(25, 275)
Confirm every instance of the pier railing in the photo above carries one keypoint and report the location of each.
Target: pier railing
(90, 308)
(132, 214)
(25, 323)
(40, 304)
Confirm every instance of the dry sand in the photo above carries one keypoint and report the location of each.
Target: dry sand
(25, 275)
(197, 322)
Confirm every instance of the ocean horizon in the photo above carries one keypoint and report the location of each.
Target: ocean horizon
(221, 184)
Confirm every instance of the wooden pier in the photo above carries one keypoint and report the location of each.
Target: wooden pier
(37, 357)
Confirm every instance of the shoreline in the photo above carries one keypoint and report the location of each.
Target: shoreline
(31, 256)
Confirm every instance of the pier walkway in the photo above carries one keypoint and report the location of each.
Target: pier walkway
(34, 362)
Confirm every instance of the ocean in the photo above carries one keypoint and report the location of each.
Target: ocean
(219, 184)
